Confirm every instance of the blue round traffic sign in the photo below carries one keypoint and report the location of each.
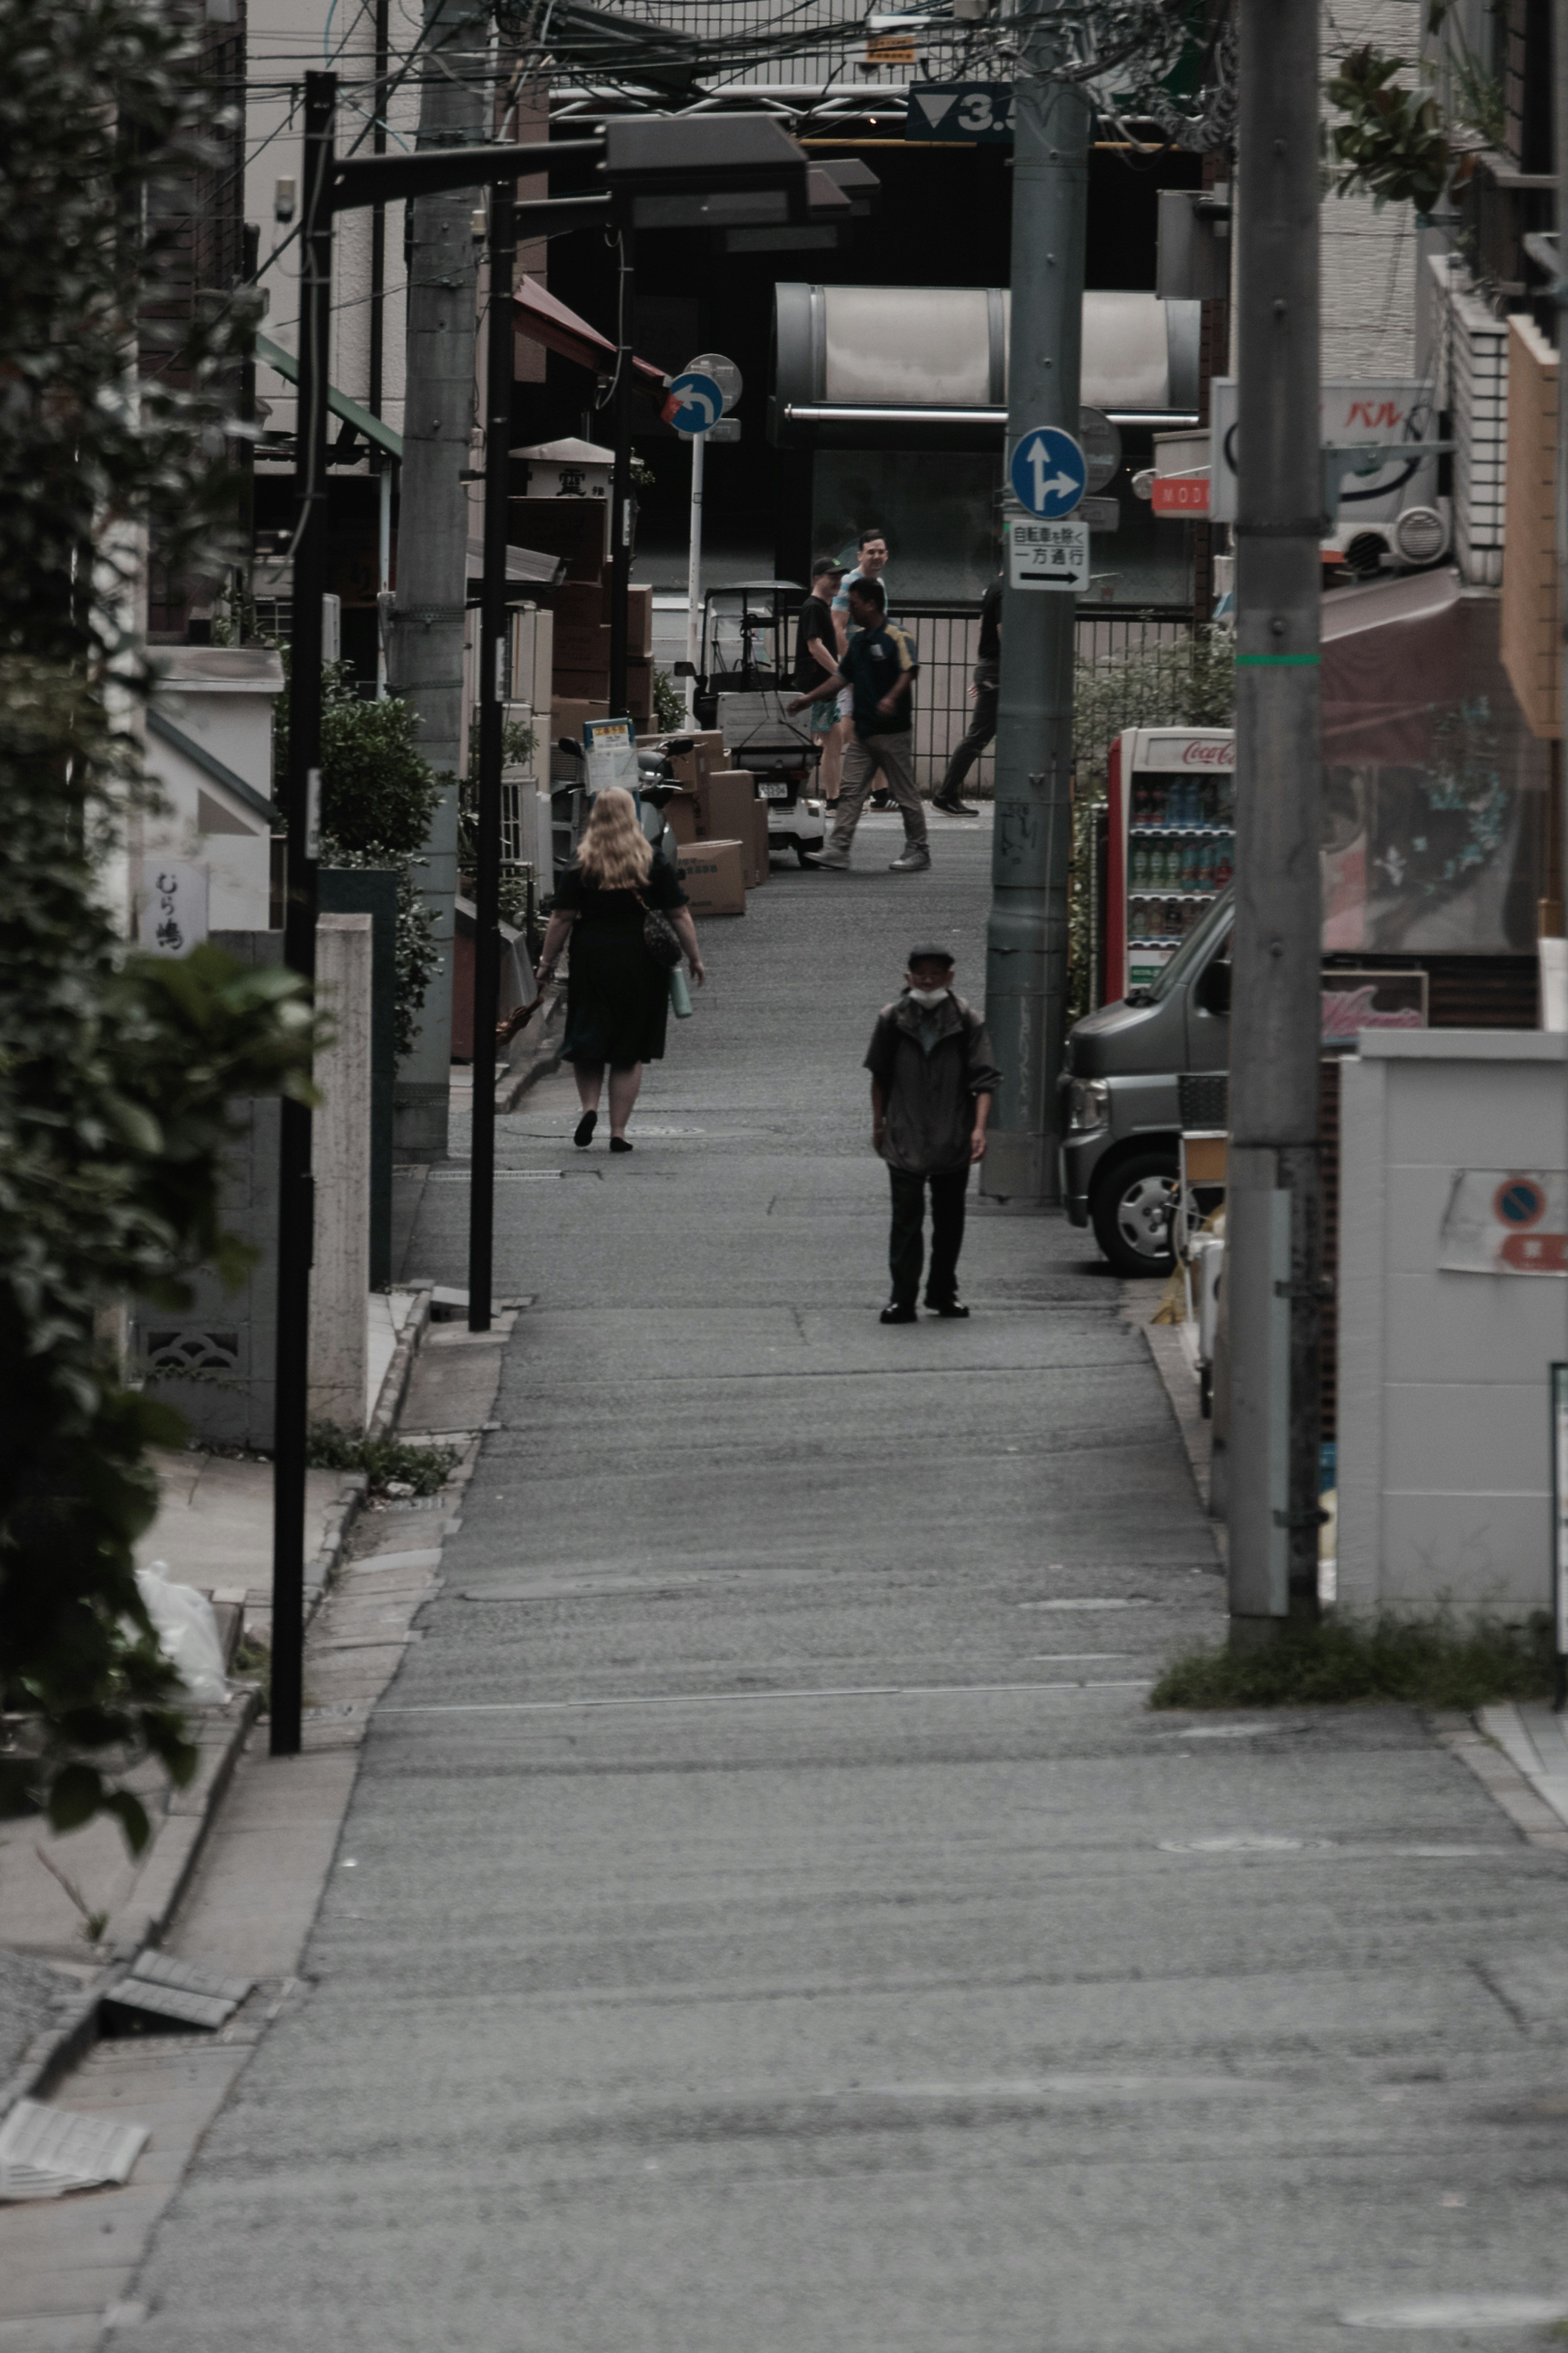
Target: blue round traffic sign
(1048, 472)
(701, 401)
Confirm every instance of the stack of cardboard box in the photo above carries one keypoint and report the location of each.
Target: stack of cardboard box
(579, 685)
(721, 823)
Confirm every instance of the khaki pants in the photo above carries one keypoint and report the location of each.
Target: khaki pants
(893, 755)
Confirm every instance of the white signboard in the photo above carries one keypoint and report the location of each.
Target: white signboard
(612, 748)
(174, 909)
(1182, 749)
(1506, 1221)
(1045, 554)
(1395, 410)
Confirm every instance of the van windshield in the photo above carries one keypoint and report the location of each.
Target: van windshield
(1194, 949)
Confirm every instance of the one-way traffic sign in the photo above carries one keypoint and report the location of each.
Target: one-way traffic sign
(1049, 472)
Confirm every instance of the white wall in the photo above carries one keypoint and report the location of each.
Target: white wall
(1369, 258)
(1444, 1459)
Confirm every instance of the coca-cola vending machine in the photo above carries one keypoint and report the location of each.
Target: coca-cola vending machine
(1172, 844)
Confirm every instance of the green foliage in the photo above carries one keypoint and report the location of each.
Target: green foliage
(115, 1067)
(379, 793)
(103, 120)
(1392, 144)
(386, 1461)
(1430, 1661)
(115, 1071)
(668, 704)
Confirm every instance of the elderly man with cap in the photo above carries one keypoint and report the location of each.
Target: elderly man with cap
(932, 1078)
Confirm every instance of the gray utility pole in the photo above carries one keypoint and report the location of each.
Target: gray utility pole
(1273, 1224)
(1027, 944)
(494, 689)
(427, 663)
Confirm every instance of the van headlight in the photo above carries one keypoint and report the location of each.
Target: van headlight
(1089, 1106)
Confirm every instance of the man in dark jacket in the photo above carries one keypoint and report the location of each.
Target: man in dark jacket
(932, 1079)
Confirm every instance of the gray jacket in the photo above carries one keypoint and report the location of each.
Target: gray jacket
(929, 1098)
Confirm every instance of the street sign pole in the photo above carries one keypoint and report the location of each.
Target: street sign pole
(302, 813)
(621, 487)
(694, 577)
(1026, 941)
(498, 372)
(1273, 1245)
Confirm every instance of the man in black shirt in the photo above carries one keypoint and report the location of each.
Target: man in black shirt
(983, 726)
(878, 667)
(815, 657)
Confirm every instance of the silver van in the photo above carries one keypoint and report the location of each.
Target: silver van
(1118, 1083)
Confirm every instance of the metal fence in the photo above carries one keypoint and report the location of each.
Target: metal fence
(946, 639)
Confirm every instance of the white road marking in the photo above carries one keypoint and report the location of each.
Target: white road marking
(719, 1699)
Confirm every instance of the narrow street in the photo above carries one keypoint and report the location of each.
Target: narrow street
(776, 1921)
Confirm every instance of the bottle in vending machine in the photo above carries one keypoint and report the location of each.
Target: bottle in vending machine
(1224, 859)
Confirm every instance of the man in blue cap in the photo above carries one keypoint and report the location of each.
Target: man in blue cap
(932, 1078)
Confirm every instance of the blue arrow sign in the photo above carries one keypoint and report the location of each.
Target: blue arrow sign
(701, 401)
(1048, 472)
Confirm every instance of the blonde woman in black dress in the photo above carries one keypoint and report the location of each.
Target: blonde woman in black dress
(618, 998)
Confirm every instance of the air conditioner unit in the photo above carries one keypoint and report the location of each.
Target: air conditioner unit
(1418, 536)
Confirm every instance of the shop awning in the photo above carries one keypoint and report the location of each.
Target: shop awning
(543, 319)
(371, 427)
(1392, 656)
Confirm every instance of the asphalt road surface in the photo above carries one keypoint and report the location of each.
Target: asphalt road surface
(777, 1924)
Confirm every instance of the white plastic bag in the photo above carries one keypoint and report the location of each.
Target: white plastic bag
(187, 1634)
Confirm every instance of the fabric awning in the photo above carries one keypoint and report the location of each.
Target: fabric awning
(1392, 656)
(544, 318)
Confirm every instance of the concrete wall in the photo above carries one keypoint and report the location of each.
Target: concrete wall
(1369, 258)
(213, 1359)
(1444, 1456)
(341, 1158)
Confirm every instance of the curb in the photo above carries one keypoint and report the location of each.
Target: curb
(394, 1387)
(539, 1059)
(155, 1897)
(1467, 1738)
(177, 1848)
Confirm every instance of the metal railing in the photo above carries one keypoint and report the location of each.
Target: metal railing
(947, 640)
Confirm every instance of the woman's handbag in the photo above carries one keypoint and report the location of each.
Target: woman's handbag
(680, 995)
(659, 936)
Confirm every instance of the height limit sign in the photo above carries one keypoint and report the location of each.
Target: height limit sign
(1047, 554)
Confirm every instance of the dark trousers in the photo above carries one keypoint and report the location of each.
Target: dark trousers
(982, 728)
(906, 1243)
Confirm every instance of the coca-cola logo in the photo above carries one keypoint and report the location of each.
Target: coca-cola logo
(1209, 755)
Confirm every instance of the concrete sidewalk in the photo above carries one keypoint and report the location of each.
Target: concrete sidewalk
(767, 1913)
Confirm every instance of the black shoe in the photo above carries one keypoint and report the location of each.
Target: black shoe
(619, 1143)
(583, 1134)
(949, 1308)
(881, 800)
(897, 1315)
(956, 808)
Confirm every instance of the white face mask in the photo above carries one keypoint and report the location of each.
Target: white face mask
(928, 996)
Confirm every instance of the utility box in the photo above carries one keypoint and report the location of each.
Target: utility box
(1453, 1305)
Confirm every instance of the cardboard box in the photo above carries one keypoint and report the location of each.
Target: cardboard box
(639, 617)
(567, 716)
(713, 876)
(581, 686)
(575, 604)
(680, 815)
(578, 529)
(724, 806)
(581, 645)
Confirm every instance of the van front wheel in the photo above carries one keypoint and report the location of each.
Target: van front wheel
(1131, 1209)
